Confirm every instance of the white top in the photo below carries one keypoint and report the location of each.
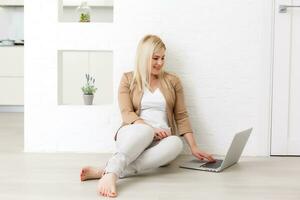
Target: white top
(153, 109)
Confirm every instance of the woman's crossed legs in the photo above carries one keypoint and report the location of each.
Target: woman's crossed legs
(136, 152)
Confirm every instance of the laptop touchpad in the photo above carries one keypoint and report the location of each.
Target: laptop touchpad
(197, 162)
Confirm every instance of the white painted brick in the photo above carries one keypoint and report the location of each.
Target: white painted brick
(220, 49)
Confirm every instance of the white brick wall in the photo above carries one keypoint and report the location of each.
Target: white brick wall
(220, 49)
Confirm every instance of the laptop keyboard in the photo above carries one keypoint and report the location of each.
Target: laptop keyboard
(214, 165)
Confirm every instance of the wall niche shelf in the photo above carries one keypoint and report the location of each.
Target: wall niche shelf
(100, 11)
(72, 67)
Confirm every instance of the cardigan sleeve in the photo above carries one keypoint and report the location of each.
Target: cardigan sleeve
(180, 111)
(125, 102)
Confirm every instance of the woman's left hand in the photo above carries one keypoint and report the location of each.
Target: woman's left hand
(201, 155)
(161, 133)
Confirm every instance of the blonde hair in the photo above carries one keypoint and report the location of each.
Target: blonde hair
(147, 46)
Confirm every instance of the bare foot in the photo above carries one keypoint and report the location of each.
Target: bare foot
(107, 185)
(89, 173)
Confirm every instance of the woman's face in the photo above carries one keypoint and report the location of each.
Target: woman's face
(158, 60)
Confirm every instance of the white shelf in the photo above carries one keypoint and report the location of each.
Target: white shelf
(72, 67)
(92, 3)
(11, 2)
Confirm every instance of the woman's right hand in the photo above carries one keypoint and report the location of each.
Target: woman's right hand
(161, 133)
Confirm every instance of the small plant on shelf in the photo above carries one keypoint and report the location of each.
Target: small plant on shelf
(84, 17)
(84, 12)
(89, 89)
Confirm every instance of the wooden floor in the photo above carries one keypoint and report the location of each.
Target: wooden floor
(37, 176)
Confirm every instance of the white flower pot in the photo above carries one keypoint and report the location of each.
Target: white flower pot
(88, 99)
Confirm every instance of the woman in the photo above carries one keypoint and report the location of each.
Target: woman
(153, 111)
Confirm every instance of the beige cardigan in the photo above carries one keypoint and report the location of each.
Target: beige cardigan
(130, 103)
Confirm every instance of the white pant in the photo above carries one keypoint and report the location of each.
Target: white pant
(136, 150)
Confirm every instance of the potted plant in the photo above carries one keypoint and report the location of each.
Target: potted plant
(84, 12)
(88, 90)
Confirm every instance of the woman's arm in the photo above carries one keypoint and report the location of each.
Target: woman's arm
(180, 111)
(189, 138)
(125, 102)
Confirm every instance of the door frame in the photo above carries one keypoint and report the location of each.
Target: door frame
(280, 79)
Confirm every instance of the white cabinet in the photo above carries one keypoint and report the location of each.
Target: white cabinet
(11, 61)
(11, 75)
(73, 67)
(12, 90)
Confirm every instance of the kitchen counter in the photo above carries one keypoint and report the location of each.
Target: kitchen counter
(11, 45)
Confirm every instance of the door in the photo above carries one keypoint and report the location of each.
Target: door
(285, 138)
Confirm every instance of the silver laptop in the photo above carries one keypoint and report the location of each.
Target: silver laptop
(233, 155)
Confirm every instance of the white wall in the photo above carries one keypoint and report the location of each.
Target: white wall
(220, 49)
(11, 23)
